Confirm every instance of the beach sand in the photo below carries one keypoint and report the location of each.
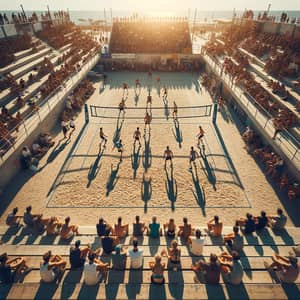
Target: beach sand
(78, 182)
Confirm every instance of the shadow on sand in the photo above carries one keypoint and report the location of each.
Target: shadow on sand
(113, 179)
(171, 186)
(146, 190)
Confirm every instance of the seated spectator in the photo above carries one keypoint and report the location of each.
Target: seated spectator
(296, 250)
(231, 267)
(108, 242)
(247, 225)
(78, 255)
(262, 221)
(94, 269)
(13, 219)
(172, 253)
(214, 227)
(286, 268)
(52, 267)
(102, 227)
(157, 268)
(277, 222)
(38, 151)
(185, 230)
(234, 240)
(121, 230)
(67, 230)
(53, 226)
(154, 229)
(211, 269)
(36, 221)
(170, 229)
(9, 268)
(196, 243)
(136, 256)
(119, 257)
(45, 140)
(26, 158)
(138, 227)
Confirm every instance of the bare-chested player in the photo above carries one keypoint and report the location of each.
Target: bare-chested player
(165, 93)
(122, 106)
(137, 136)
(125, 88)
(200, 135)
(103, 138)
(175, 110)
(168, 155)
(137, 84)
(147, 119)
(193, 156)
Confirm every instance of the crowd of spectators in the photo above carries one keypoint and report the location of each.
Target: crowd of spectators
(148, 36)
(226, 263)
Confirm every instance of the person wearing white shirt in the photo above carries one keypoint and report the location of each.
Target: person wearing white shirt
(196, 243)
(94, 270)
(136, 256)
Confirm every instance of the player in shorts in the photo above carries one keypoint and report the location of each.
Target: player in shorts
(193, 156)
(147, 119)
(165, 94)
(103, 137)
(137, 136)
(119, 146)
(137, 84)
(168, 155)
(125, 88)
(200, 135)
(122, 106)
(175, 110)
(149, 100)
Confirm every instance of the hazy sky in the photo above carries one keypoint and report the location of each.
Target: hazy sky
(150, 5)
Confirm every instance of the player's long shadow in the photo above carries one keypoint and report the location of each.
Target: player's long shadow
(94, 168)
(209, 172)
(166, 110)
(147, 156)
(199, 193)
(113, 179)
(178, 133)
(117, 133)
(171, 187)
(57, 149)
(135, 160)
(146, 191)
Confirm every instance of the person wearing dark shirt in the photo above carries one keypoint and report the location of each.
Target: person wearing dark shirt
(261, 221)
(108, 242)
(119, 257)
(102, 226)
(247, 225)
(78, 255)
(211, 269)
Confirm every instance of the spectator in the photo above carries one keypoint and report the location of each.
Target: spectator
(53, 226)
(214, 227)
(78, 255)
(277, 222)
(173, 253)
(170, 229)
(248, 225)
(261, 221)
(13, 219)
(94, 270)
(185, 230)
(102, 227)
(138, 227)
(35, 221)
(52, 267)
(234, 240)
(136, 256)
(121, 230)
(67, 230)
(154, 229)
(196, 243)
(211, 269)
(108, 242)
(157, 268)
(119, 257)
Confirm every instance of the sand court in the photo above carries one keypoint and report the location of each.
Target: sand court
(94, 176)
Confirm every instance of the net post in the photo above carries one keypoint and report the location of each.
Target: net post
(214, 114)
(86, 113)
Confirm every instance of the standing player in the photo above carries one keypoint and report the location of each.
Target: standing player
(122, 106)
(193, 156)
(165, 94)
(137, 136)
(168, 155)
(147, 119)
(125, 88)
(120, 148)
(103, 138)
(158, 80)
(149, 100)
(137, 84)
(200, 135)
(175, 110)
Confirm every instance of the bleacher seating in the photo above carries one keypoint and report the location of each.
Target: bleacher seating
(258, 283)
(150, 36)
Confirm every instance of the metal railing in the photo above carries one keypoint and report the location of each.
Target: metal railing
(36, 117)
(284, 139)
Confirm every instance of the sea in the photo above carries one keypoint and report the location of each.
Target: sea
(83, 17)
